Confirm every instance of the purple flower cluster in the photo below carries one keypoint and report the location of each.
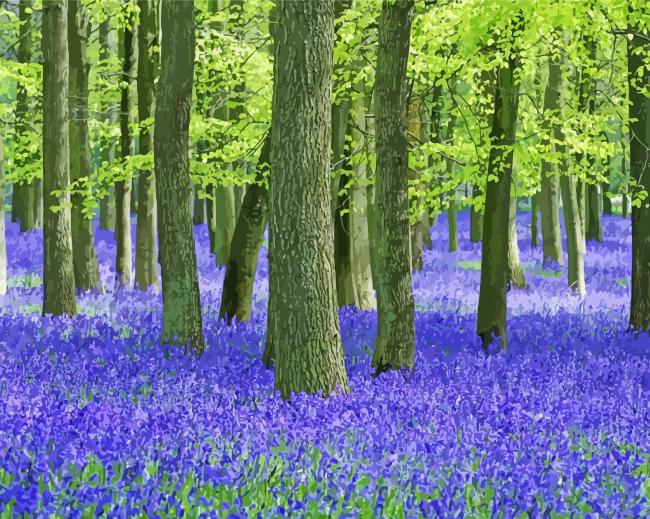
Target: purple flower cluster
(96, 417)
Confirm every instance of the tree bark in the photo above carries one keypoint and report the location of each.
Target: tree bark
(551, 232)
(58, 269)
(86, 268)
(107, 203)
(303, 319)
(606, 186)
(575, 243)
(491, 320)
(24, 191)
(476, 217)
(225, 222)
(515, 270)
(123, 187)
(236, 296)
(639, 116)
(595, 229)
(625, 208)
(198, 208)
(395, 345)
(182, 321)
(146, 255)
(534, 220)
(451, 210)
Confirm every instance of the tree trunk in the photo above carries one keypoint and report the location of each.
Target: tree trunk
(123, 187)
(3, 237)
(239, 193)
(595, 229)
(146, 255)
(515, 270)
(476, 217)
(575, 243)
(58, 269)
(581, 194)
(491, 320)
(451, 210)
(639, 116)
(198, 208)
(551, 232)
(534, 221)
(625, 208)
(236, 296)
(225, 222)
(605, 186)
(211, 215)
(303, 319)
(86, 268)
(107, 203)
(359, 232)
(24, 191)
(182, 321)
(395, 346)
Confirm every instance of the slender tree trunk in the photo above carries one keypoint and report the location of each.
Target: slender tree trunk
(198, 208)
(625, 208)
(606, 200)
(210, 210)
(451, 210)
(639, 116)
(491, 321)
(476, 217)
(359, 232)
(581, 194)
(236, 296)
(575, 244)
(303, 318)
(239, 192)
(58, 269)
(3, 237)
(515, 270)
(123, 187)
(182, 321)
(225, 222)
(24, 191)
(395, 346)
(86, 268)
(146, 255)
(107, 203)
(595, 229)
(534, 221)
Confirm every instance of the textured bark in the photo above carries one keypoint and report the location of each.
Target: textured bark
(303, 319)
(534, 221)
(515, 270)
(24, 192)
(476, 217)
(3, 237)
(595, 228)
(182, 322)
(548, 196)
(395, 346)
(491, 320)
(639, 115)
(146, 255)
(107, 203)
(123, 187)
(58, 270)
(224, 197)
(236, 296)
(86, 268)
(364, 293)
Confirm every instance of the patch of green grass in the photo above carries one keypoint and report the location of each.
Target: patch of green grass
(25, 281)
(469, 265)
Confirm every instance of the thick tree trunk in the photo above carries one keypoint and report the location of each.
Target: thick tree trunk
(551, 232)
(575, 243)
(239, 192)
(395, 346)
(303, 319)
(24, 191)
(639, 115)
(236, 296)
(58, 269)
(146, 255)
(491, 320)
(225, 222)
(359, 232)
(182, 321)
(534, 221)
(107, 203)
(515, 270)
(3, 237)
(86, 268)
(476, 217)
(123, 187)
(595, 229)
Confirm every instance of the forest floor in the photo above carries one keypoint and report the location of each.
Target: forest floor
(96, 416)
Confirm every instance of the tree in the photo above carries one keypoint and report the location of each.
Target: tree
(491, 320)
(123, 185)
(145, 244)
(86, 268)
(395, 345)
(182, 322)
(639, 117)
(516, 276)
(58, 270)
(107, 202)
(303, 319)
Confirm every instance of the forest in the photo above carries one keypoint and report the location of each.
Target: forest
(325, 258)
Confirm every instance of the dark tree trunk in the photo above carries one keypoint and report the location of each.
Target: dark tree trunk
(551, 232)
(639, 114)
(146, 255)
(605, 186)
(58, 269)
(491, 320)
(182, 321)
(123, 187)
(236, 296)
(476, 217)
(198, 208)
(625, 208)
(451, 211)
(107, 203)
(395, 346)
(595, 229)
(534, 221)
(303, 330)
(86, 268)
